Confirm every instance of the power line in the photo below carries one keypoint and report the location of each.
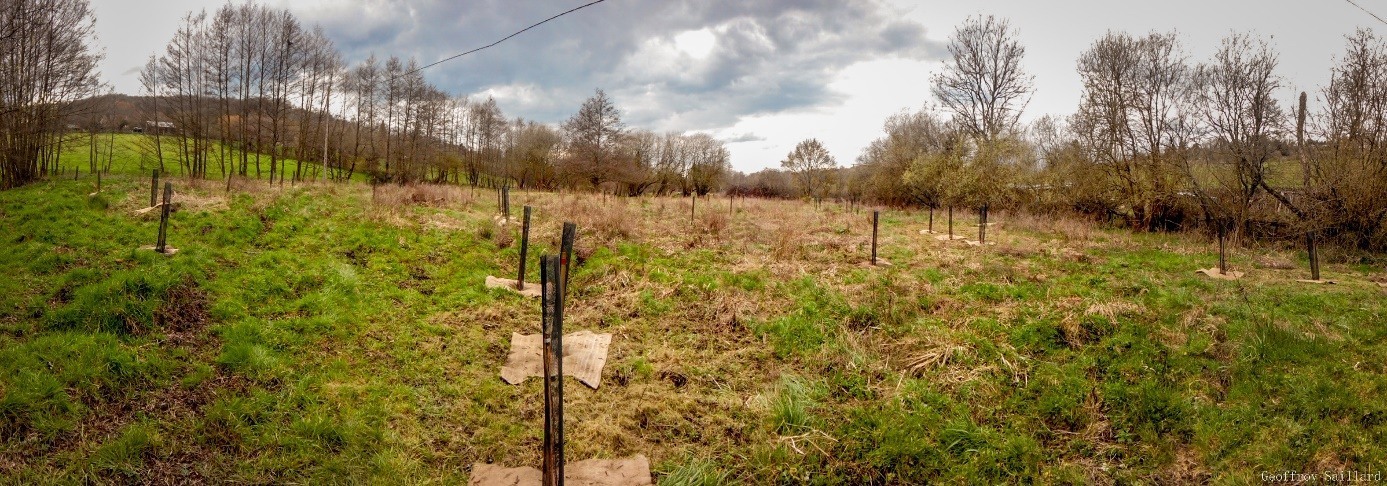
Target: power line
(1360, 7)
(503, 39)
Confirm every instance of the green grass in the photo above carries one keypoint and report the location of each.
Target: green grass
(309, 335)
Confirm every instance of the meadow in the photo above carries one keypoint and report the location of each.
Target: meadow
(331, 332)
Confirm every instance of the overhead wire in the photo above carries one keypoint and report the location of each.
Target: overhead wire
(1369, 12)
(503, 39)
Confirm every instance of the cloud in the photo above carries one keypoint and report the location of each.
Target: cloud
(675, 65)
(742, 138)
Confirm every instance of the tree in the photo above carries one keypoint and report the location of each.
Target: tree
(593, 133)
(1136, 120)
(983, 83)
(708, 162)
(47, 64)
(1237, 105)
(1350, 172)
(811, 164)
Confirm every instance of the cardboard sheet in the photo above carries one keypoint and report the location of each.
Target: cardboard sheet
(532, 289)
(1214, 273)
(631, 471)
(584, 355)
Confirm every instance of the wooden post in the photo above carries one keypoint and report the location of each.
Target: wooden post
(524, 247)
(1222, 250)
(931, 219)
(154, 188)
(570, 232)
(1313, 250)
(876, 217)
(98, 180)
(505, 203)
(552, 330)
(693, 204)
(164, 218)
(982, 224)
(951, 222)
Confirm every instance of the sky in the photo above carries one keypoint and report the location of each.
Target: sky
(759, 75)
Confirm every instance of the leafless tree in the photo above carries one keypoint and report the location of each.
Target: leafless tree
(593, 133)
(47, 64)
(1136, 120)
(811, 165)
(1237, 103)
(983, 83)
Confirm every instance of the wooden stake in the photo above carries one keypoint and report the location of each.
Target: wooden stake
(951, 222)
(570, 232)
(154, 188)
(164, 218)
(876, 217)
(524, 247)
(552, 330)
(1313, 248)
(1222, 251)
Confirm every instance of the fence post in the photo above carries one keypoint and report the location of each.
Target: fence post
(154, 188)
(693, 204)
(524, 247)
(552, 310)
(164, 217)
(982, 224)
(1313, 250)
(951, 222)
(570, 231)
(1222, 250)
(876, 217)
(505, 203)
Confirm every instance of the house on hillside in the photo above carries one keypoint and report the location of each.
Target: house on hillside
(159, 127)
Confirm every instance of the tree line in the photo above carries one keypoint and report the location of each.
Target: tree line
(1158, 141)
(248, 89)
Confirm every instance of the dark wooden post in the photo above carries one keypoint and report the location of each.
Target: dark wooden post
(1222, 250)
(693, 204)
(1313, 248)
(570, 232)
(164, 218)
(951, 222)
(876, 217)
(154, 188)
(98, 180)
(552, 310)
(524, 247)
(931, 219)
(982, 224)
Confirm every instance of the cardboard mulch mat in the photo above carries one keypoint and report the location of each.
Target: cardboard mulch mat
(168, 250)
(584, 355)
(632, 471)
(531, 289)
(978, 243)
(1320, 281)
(1214, 273)
(947, 237)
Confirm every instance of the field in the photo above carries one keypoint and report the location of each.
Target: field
(335, 333)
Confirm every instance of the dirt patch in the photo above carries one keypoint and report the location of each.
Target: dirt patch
(184, 311)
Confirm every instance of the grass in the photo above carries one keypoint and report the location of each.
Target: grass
(326, 333)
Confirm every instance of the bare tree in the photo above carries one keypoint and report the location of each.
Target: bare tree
(593, 133)
(1236, 99)
(1351, 170)
(811, 165)
(1136, 120)
(983, 83)
(47, 64)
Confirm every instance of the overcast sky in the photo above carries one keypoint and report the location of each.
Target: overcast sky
(760, 75)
